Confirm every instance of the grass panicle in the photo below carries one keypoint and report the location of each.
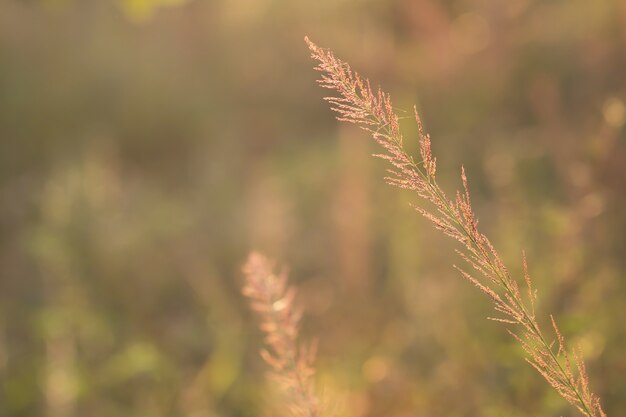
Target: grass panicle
(355, 101)
(291, 365)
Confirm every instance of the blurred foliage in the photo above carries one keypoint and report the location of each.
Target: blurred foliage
(140, 10)
(136, 10)
(146, 149)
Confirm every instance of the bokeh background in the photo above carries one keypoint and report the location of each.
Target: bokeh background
(146, 146)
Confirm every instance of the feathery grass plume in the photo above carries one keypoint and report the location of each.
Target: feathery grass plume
(372, 110)
(272, 299)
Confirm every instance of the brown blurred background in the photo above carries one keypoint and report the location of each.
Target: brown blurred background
(146, 146)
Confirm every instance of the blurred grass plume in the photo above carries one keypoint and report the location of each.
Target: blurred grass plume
(292, 365)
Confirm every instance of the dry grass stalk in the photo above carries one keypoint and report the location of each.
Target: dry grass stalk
(272, 300)
(356, 102)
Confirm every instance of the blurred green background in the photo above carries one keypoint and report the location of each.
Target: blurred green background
(146, 146)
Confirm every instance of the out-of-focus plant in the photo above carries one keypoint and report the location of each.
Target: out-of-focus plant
(292, 365)
(141, 10)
